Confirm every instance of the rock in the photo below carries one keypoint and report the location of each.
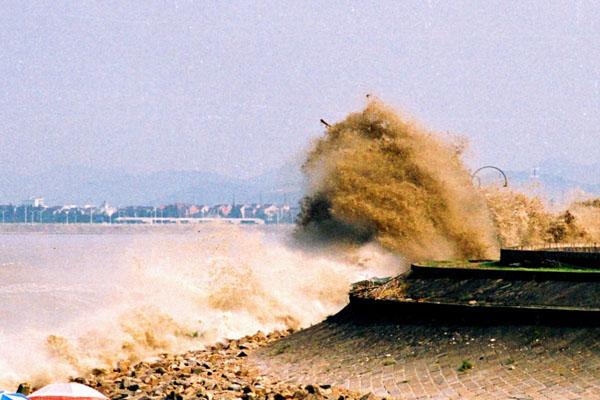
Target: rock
(220, 372)
(210, 384)
(173, 396)
(133, 387)
(99, 371)
(24, 388)
(123, 365)
(368, 396)
(247, 389)
(300, 395)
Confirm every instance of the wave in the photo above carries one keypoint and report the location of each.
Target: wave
(153, 293)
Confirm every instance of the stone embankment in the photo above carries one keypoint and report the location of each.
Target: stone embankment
(427, 359)
(218, 372)
(431, 336)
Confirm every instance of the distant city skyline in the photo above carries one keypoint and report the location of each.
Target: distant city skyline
(238, 88)
(35, 211)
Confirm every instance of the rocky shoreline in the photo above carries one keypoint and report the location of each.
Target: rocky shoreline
(221, 371)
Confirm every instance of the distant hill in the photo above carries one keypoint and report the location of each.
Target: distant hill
(557, 180)
(588, 174)
(551, 186)
(71, 185)
(78, 185)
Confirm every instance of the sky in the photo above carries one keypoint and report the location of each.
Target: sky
(238, 88)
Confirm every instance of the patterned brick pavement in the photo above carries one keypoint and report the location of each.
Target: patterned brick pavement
(423, 360)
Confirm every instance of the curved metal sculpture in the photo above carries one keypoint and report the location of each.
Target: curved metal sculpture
(474, 174)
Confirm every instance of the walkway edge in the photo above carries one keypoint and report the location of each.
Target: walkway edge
(479, 314)
(422, 271)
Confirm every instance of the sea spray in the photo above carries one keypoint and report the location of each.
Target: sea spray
(524, 219)
(86, 301)
(379, 176)
(587, 214)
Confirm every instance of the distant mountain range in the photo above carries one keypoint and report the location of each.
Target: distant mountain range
(588, 174)
(70, 185)
(553, 187)
(76, 185)
(557, 180)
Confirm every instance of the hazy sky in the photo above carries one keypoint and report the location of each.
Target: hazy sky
(239, 87)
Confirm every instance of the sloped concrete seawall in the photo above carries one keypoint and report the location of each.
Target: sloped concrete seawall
(419, 359)
(435, 337)
(477, 295)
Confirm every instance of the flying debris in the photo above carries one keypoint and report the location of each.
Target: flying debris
(325, 123)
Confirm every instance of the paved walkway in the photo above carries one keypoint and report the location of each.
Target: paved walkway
(429, 361)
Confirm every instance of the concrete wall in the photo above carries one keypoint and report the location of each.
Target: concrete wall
(587, 257)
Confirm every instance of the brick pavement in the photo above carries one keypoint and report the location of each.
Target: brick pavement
(422, 360)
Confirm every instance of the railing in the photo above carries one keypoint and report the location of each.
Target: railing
(566, 247)
(166, 220)
(585, 255)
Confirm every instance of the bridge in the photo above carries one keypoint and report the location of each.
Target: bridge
(180, 221)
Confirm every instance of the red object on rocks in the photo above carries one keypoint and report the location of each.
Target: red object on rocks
(67, 391)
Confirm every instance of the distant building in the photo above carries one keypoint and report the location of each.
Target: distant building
(34, 202)
(34, 210)
(107, 210)
(271, 213)
(203, 211)
(220, 210)
(241, 211)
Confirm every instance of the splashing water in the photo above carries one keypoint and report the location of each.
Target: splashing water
(377, 175)
(75, 302)
(523, 219)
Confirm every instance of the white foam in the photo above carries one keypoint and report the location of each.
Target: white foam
(112, 297)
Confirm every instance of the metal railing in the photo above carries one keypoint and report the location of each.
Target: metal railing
(564, 247)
